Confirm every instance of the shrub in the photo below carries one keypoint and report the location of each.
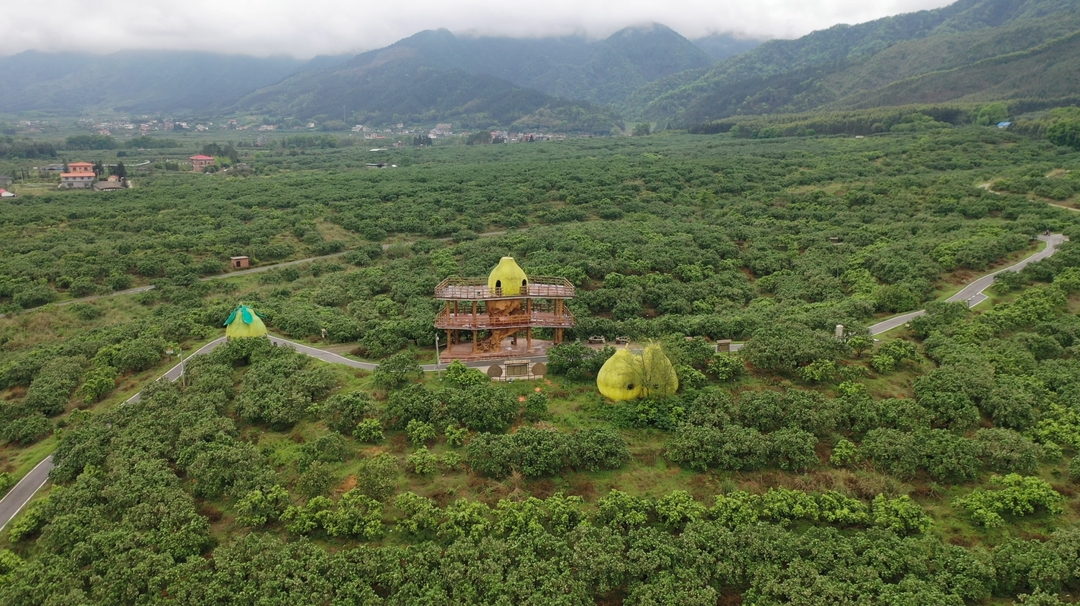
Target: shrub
(621, 511)
(484, 408)
(536, 406)
(462, 376)
(1017, 495)
(342, 412)
(843, 454)
(490, 455)
(537, 452)
(369, 431)
(597, 449)
(328, 448)
(1074, 469)
(420, 432)
(677, 508)
(99, 381)
(793, 449)
(413, 402)
(818, 371)
(900, 515)
(727, 366)
(452, 460)
(690, 377)
(1007, 451)
(422, 461)
(455, 436)
(53, 385)
(378, 476)
(892, 451)
(947, 456)
(421, 515)
(316, 481)
(259, 507)
(27, 429)
(395, 371)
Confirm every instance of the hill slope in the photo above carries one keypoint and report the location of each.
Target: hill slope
(487, 81)
(827, 66)
(399, 85)
(572, 67)
(141, 81)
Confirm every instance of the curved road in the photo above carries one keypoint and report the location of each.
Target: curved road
(972, 294)
(21, 494)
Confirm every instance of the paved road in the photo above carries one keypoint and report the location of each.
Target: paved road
(21, 494)
(972, 294)
(254, 270)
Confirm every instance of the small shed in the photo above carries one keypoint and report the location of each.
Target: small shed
(239, 262)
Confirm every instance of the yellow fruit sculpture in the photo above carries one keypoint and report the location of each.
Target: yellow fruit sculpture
(508, 277)
(660, 378)
(620, 377)
(244, 322)
(626, 376)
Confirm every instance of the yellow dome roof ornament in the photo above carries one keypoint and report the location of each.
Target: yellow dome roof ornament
(507, 277)
(620, 378)
(244, 322)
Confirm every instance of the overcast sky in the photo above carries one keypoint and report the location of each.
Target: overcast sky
(309, 27)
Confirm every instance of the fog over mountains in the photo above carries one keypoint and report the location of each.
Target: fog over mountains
(972, 50)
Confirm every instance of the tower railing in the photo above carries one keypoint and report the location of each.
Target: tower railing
(476, 289)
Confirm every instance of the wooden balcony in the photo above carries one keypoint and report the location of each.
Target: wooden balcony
(537, 319)
(476, 289)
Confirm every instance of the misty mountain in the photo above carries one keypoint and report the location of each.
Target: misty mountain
(878, 63)
(481, 81)
(135, 81)
(723, 45)
(572, 67)
(399, 85)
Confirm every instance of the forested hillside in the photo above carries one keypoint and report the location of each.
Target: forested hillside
(482, 81)
(854, 65)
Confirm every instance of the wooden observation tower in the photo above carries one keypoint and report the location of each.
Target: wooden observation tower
(501, 308)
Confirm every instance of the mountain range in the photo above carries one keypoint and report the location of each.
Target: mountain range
(969, 51)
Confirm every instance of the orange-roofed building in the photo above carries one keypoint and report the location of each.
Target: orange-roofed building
(80, 175)
(200, 162)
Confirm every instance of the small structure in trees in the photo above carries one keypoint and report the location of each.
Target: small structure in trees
(201, 162)
(628, 376)
(243, 322)
(80, 175)
(239, 262)
(495, 312)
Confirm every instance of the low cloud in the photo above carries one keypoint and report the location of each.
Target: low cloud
(305, 29)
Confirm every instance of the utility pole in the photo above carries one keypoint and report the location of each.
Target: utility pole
(438, 361)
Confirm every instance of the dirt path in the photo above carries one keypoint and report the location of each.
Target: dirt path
(256, 270)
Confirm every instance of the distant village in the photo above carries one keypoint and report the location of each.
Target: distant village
(145, 125)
